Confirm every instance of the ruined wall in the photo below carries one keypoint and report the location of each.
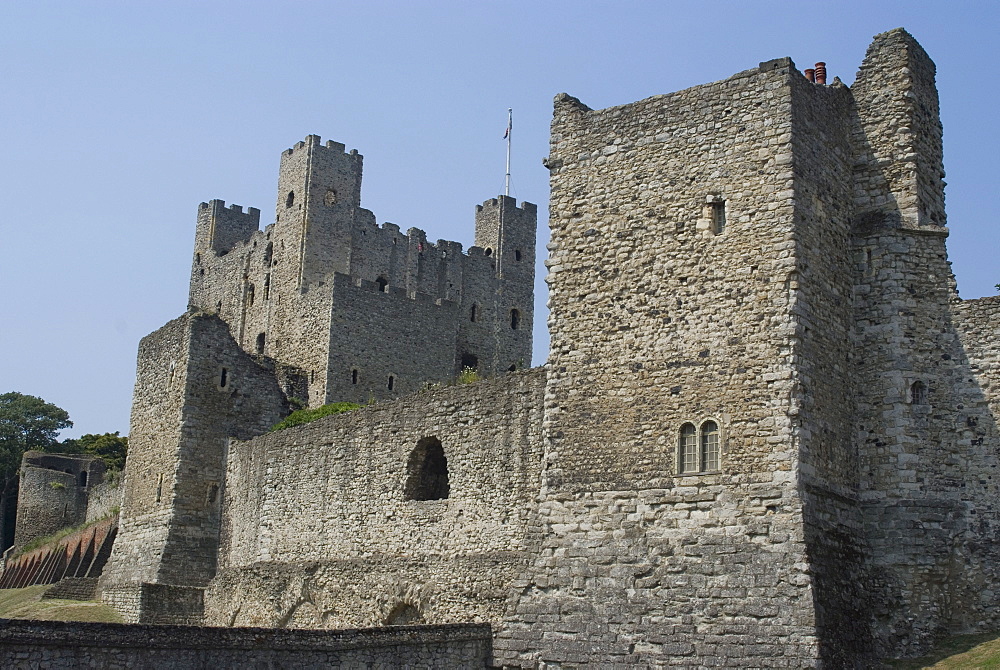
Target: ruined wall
(195, 389)
(666, 311)
(53, 493)
(924, 433)
(105, 499)
(56, 645)
(318, 530)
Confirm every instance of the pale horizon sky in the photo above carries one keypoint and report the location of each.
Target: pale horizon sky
(119, 118)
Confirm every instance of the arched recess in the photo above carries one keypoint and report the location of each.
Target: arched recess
(427, 472)
(404, 614)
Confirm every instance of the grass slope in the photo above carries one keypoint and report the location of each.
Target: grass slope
(27, 603)
(962, 652)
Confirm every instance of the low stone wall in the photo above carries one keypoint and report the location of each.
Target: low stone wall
(55, 645)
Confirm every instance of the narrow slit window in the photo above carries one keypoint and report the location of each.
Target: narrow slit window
(250, 292)
(159, 488)
(473, 313)
(267, 286)
(261, 341)
(517, 254)
(224, 378)
(515, 319)
(391, 383)
(354, 376)
(718, 216)
(383, 285)
(290, 199)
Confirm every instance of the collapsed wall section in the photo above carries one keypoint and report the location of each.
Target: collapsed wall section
(195, 389)
(53, 493)
(353, 521)
(672, 518)
(924, 433)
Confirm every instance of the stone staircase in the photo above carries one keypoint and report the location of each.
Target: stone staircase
(73, 588)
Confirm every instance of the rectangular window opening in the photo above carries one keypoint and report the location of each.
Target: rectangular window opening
(718, 216)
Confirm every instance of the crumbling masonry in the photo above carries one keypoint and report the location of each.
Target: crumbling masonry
(765, 435)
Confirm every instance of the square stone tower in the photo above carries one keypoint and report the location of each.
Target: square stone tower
(764, 434)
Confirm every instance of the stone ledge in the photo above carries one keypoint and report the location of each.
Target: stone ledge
(80, 634)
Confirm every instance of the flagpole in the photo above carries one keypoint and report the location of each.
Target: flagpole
(510, 119)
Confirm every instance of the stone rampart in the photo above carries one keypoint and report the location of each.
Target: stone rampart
(326, 525)
(27, 645)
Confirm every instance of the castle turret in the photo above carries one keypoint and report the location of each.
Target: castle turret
(507, 234)
(319, 193)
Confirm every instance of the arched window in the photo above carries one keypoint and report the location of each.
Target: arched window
(261, 339)
(687, 453)
(404, 614)
(698, 448)
(918, 393)
(489, 251)
(709, 446)
(383, 285)
(427, 472)
(290, 199)
(515, 319)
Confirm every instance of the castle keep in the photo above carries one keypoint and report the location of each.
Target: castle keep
(765, 435)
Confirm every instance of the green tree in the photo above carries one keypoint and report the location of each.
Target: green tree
(109, 446)
(26, 422)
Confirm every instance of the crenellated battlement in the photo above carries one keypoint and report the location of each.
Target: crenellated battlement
(316, 142)
(494, 203)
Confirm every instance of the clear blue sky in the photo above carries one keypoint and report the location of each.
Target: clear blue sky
(118, 118)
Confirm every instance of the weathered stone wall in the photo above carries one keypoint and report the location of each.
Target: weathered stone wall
(318, 530)
(925, 438)
(195, 389)
(48, 500)
(53, 493)
(820, 283)
(660, 317)
(28, 645)
(105, 499)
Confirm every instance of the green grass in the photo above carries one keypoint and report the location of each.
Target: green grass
(962, 652)
(27, 603)
(301, 416)
(467, 376)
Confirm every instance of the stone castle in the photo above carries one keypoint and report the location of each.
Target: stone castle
(765, 435)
